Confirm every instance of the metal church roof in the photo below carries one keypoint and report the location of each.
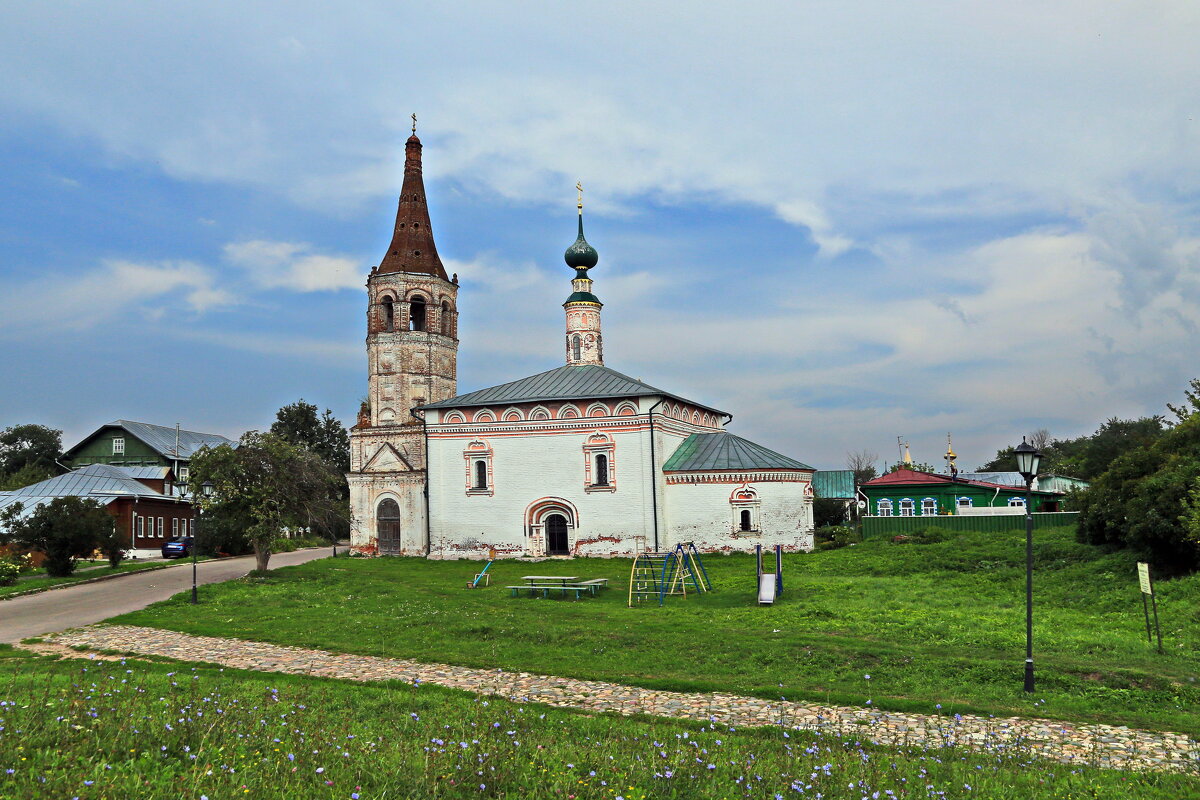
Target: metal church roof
(834, 484)
(100, 482)
(162, 439)
(716, 451)
(572, 382)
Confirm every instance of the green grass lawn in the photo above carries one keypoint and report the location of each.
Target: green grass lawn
(93, 730)
(935, 623)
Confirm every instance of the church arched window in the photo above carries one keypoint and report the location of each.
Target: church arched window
(447, 324)
(416, 313)
(744, 522)
(481, 475)
(601, 470)
(389, 314)
(575, 347)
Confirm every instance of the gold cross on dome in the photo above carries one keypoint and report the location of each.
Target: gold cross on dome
(414, 116)
(579, 188)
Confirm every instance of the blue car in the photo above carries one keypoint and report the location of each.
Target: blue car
(178, 548)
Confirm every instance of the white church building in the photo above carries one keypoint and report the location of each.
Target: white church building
(579, 460)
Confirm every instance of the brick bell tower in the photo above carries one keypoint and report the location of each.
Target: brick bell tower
(412, 351)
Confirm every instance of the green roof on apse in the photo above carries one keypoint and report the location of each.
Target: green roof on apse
(718, 451)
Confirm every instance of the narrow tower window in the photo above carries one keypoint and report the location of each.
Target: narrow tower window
(575, 347)
(389, 314)
(602, 470)
(481, 475)
(446, 321)
(416, 313)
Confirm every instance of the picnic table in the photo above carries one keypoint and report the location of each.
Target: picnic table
(563, 583)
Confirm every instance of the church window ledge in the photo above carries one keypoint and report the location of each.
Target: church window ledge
(479, 465)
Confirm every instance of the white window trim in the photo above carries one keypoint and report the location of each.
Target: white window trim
(884, 505)
(911, 508)
(925, 500)
(118, 446)
(474, 453)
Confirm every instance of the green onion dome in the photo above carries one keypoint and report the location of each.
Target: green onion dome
(581, 255)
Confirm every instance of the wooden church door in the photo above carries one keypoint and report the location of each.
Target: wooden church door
(387, 520)
(556, 536)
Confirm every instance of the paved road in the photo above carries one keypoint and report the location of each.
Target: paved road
(60, 609)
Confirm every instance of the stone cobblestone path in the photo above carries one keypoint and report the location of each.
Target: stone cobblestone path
(1108, 746)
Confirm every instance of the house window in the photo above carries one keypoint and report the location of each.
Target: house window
(602, 470)
(928, 507)
(160, 527)
(1016, 502)
(480, 475)
(192, 528)
(416, 313)
(118, 446)
(965, 502)
(744, 523)
(884, 508)
(175, 528)
(907, 507)
(141, 527)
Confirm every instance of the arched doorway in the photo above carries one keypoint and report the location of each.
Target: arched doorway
(387, 522)
(556, 536)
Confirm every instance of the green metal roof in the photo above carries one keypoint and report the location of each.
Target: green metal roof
(162, 439)
(572, 382)
(716, 451)
(583, 297)
(834, 484)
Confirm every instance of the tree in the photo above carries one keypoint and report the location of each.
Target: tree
(828, 511)
(36, 446)
(325, 435)
(25, 476)
(916, 465)
(267, 483)
(113, 545)
(1192, 406)
(1143, 500)
(65, 530)
(862, 464)
(1085, 457)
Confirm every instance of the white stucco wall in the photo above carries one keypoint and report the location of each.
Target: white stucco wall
(701, 511)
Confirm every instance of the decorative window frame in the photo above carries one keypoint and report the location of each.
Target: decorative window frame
(625, 409)
(934, 502)
(1016, 502)
(118, 446)
(911, 507)
(599, 444)
(476, 451)
(512, 414)
(484, 415)
(964, 502)
(543, 411)
(569, 411)
(454, 418)
(884, 504)
(745, 498)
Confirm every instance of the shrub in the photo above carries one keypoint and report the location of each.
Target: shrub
(114, 544)
(9, 570)
(831, 537)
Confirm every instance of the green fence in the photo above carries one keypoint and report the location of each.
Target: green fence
(877, 527)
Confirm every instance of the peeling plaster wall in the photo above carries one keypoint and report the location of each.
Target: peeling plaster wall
(702, 513)
(366, 492)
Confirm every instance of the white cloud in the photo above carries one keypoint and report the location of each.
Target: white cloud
(293, 267)
(74, 302)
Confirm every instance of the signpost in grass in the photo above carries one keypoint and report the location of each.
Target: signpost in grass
(1147, 587)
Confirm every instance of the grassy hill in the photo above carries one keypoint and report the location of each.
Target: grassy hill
(931, 624)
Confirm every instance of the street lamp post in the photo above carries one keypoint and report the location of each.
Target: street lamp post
(1028, 459)
(206, 489)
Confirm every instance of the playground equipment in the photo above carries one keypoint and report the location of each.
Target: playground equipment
(482, 574)
(770, 584)
(668, 573)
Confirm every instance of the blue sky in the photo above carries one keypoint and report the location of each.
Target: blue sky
(840, 222)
